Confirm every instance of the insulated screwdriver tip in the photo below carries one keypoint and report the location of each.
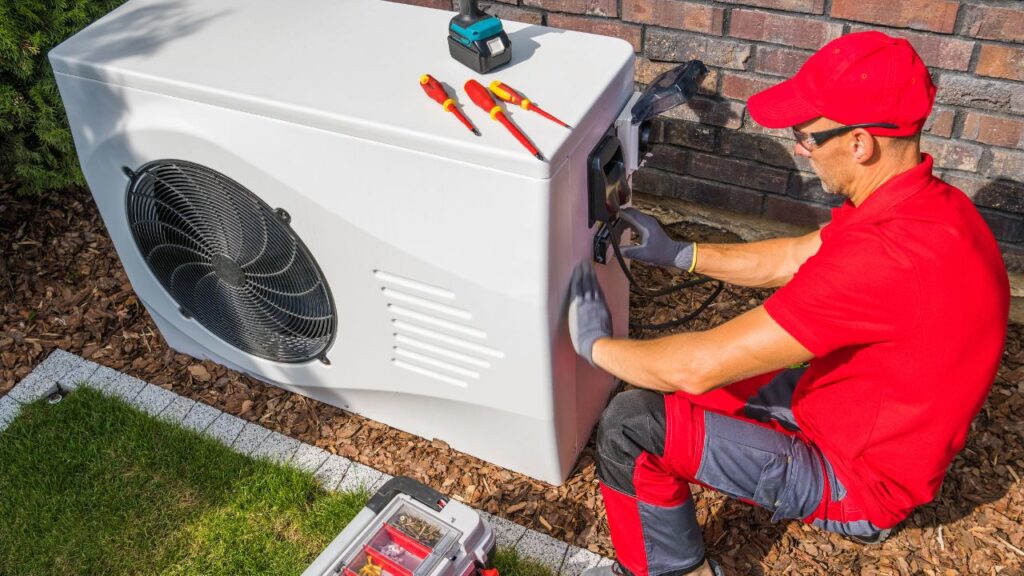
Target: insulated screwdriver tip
(540, 157)
(476, 131)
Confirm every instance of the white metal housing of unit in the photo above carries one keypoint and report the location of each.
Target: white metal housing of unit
(288, 203)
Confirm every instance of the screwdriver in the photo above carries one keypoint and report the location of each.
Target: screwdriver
(506, 93)
(482, 98)
(436, 90)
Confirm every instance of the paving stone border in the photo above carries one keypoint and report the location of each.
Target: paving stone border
(67, 372)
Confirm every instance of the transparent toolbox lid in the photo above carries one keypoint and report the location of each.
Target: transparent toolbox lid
(405, 539)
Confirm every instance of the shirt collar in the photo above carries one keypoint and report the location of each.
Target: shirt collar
(891, 192)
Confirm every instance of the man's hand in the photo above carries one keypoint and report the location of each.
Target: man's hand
(589, 318)
(655, 246)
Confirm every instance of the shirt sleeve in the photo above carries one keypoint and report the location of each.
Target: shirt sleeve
(859, 288)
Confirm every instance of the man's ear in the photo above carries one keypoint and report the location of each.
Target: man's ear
(862, 146)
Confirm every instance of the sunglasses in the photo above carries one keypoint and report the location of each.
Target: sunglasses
(811, 141)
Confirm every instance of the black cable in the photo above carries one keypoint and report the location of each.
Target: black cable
(664, 291)
(680, 321)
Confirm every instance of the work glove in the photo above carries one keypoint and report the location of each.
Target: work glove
(655, 246)
(589, 318)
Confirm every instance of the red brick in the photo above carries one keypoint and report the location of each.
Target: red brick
(741, 87)
(1005, 195)
(1001, 62)
(648, 70)
(675, 14)
(486, 6)
(680, 133)
(936, 51)
(628, 32)
(590, 7)
(512, 13)
(994, 130)
(1004, 227)
(940, 122)
(779, 61)
(717, 194)
(739, 172)
(952, 154)
(1006, 164)
(969, 184)
(809, 6)
(707, 111)
(981, 93)
(674, 46)
(807, 186)
(655, 182)
(752, 127)
(795, 31)
(790, 211)
(1006, 24)
(931, 15)
(667, 158)
(765, 149)
(439, 4)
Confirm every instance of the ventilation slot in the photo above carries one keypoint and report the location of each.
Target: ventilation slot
(428, 373)
(444, 366)
(434, 336)
(439, 351)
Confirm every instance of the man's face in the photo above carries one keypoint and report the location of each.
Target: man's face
(830, 161)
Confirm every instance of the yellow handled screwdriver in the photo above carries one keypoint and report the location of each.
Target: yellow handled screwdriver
(505, 92)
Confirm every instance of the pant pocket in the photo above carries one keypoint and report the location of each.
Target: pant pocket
(763, 466)
(743, 460)
(772, 484)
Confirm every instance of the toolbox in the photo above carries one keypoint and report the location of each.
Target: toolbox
(409, 529)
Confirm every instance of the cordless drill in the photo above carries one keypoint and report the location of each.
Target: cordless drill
(477, 39)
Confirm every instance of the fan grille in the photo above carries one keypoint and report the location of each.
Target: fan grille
(230, 261)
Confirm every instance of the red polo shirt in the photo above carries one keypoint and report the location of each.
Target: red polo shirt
(905, 308)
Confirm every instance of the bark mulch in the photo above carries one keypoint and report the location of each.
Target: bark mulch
(62, 286)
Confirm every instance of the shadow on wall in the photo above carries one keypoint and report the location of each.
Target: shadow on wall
(1001, 203)
(701, 156)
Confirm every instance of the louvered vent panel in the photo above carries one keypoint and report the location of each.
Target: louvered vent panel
(433, 335)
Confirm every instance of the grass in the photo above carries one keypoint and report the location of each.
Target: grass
(93, 486)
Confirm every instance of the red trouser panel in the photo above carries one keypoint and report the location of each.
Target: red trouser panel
(656, 492)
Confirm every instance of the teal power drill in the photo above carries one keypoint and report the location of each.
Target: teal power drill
(477, 39)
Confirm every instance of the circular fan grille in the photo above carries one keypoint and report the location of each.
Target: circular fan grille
(230, 261)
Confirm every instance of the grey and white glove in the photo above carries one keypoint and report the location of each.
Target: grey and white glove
(589, 318)
(655, 246)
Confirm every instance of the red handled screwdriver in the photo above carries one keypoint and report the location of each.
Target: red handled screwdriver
(506, 93)
(435, 90)
(482, 98)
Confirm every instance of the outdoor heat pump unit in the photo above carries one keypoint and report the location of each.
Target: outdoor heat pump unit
(288, 203)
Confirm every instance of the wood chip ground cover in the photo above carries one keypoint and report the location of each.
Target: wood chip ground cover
(62, 285)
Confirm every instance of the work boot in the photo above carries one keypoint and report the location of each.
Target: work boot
(613, 569)
(616, 569)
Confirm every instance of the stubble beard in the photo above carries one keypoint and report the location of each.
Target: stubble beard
(829, 185)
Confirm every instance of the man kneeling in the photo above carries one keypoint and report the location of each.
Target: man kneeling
(895, 313)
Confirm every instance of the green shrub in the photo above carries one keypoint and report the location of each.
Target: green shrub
(36, 149)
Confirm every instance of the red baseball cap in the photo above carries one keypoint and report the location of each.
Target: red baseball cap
(854, 79)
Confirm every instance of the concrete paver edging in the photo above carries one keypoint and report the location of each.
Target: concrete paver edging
(69, 372)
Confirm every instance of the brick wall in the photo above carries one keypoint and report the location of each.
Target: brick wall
(712, 152)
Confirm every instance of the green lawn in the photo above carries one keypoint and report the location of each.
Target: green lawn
(93, 486)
